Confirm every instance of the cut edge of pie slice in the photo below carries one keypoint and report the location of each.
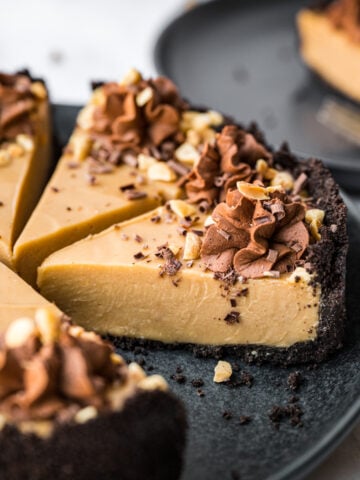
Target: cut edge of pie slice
(18, 299)
(146, 278)
(25, 154)
(119, 163)
(330, 49)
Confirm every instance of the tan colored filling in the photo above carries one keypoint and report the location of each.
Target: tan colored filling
(71, 209)
(330, 52)
(21, 183)
(99, 283)
(18, 299)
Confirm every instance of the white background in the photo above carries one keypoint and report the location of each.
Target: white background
(69, 43)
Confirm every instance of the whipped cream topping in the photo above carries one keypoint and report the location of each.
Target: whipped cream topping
(17, 102)
(256, 237)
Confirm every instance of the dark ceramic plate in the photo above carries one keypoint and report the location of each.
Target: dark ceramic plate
(241, 57)
(222, 448)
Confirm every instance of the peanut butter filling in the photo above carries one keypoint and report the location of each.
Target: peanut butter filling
(145, 278)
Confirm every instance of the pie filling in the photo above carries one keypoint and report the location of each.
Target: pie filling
(106, 285)
(24, 154)
(330, 44)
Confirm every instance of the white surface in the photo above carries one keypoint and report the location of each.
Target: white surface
(102, 39)
(97, 39)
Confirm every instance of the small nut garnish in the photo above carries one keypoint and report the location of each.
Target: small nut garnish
(222, 372)
(143, 97)
(216, 118)
(187, 153)
(98, 97)
(2, 421)
(154, 382)
(254, 192)
(175, 249)
(75, 331)
(181, 208)
(136, 373)
(200, 121)
(117, 359)
(132, 77)
(85, 414)
(162, 172)
(48, 324)
(25, 141)
(193, 138)
(41, 428)
(38, 89)
(85, 119)
(300, 274)
(315, 217)
(5, 158)
(285, 179)
(192, 246)
(263, 168)
(15, 150)
(19, 331)
(145, 161)
(81, 145)
(209, 221)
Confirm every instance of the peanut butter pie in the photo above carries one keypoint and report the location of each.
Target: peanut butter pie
(122, 160)
(18, 299)
(330, 44)
(25, 139)
(252, 261)
(70, 408)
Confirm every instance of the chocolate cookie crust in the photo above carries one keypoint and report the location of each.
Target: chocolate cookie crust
(143, 441)
(327, 258)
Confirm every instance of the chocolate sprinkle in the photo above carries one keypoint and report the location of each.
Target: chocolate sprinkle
(232, 318)
(135, 194)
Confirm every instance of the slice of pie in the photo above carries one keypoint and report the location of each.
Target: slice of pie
(71, 408)
(18, 299)
(122, 160)
(330, 44)
(253, 261)
(25, 154)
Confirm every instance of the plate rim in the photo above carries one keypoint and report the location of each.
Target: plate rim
(347, 166)
(318, 452)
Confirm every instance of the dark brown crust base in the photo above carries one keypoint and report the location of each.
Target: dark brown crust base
(328, 259)
(145, 441)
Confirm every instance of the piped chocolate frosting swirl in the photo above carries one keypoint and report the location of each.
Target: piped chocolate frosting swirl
(17, 103)
(137, 117)
(50, 370)
(256, 236)
(230, 159)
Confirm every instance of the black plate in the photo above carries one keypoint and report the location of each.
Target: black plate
(329, 396)
(241, 57)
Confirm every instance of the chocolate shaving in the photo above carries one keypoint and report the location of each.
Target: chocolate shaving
(135, 194)
(178, 167)
(224, 234)
(299, 183)
(155, 219)
(232, 318)
(129, 186)
(272, 255)
(278, 210)
(139, 256)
